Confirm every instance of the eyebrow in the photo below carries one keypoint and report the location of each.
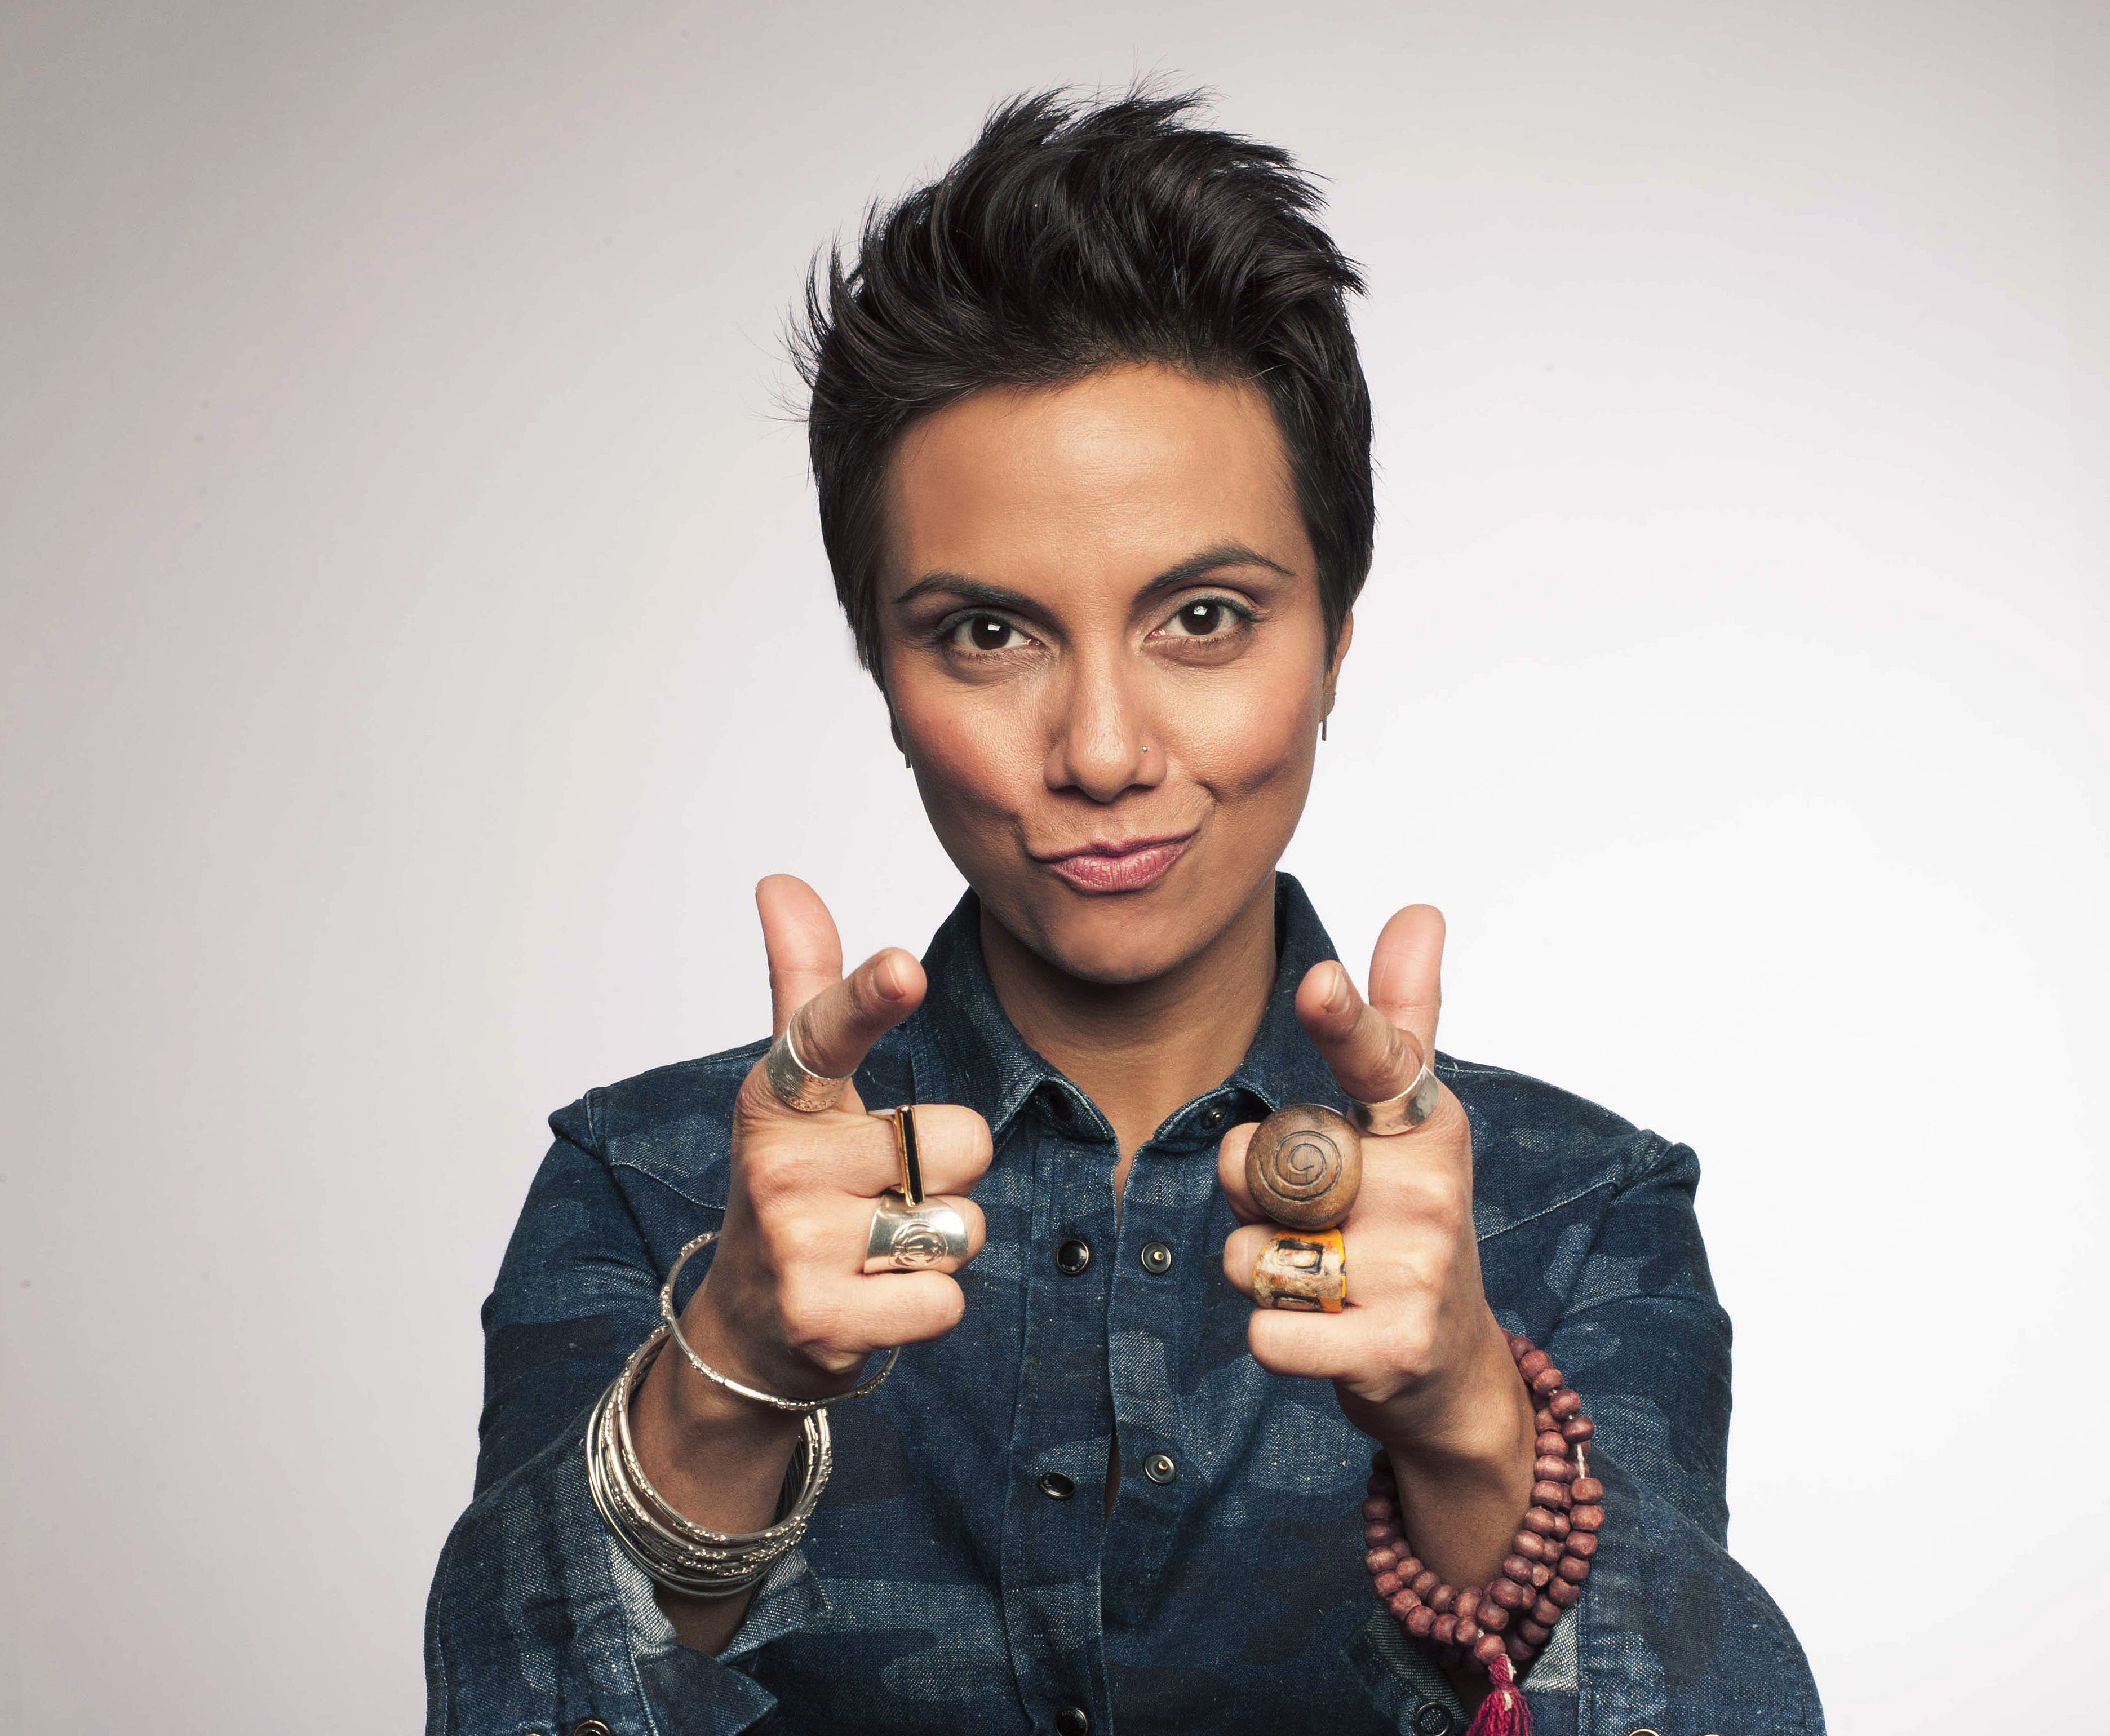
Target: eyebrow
(975, 591)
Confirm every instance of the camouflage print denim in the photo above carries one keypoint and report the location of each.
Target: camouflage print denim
(940, 1590)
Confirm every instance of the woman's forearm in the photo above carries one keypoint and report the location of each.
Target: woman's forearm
(1462, 1492)
(719, 1460)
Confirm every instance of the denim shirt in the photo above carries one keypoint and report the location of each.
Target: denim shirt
(942, 1587)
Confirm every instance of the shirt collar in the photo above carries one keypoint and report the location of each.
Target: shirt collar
(964, 1048)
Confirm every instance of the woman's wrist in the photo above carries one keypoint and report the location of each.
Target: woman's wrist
(1482, 1430)
(1465, 1476)
(1500, 1624)
(719, 1459)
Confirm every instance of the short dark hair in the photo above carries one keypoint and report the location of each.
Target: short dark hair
(1073, 236)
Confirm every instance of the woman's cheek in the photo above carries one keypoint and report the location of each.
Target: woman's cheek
(1243, 741)
(973, 781)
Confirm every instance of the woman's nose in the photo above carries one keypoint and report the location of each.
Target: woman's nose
(1103, 744)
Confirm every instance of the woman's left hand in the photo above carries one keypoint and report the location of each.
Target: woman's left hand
(1416, 1358)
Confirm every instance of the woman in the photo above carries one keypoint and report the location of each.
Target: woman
(1091, 447)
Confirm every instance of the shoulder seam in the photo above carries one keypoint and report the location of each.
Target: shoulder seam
(1582, 1193)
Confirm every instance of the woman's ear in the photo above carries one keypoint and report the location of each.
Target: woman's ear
(894, 729)
(1340, 642)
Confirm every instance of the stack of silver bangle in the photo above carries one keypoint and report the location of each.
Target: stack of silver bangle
(679, 1554)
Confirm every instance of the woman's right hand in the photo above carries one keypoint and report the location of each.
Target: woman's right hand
(786, 1306)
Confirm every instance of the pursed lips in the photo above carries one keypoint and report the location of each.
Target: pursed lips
(1118, 865)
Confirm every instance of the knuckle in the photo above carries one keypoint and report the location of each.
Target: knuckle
(1450, 1202)
(794, 1233)
(853, 1003)
(754, 1105)
(1263, 1338)
(948, 1307)
(1410, 1351)
(771, 1181)
(812, 1319)
(1439, 1200)
(1448, 1122)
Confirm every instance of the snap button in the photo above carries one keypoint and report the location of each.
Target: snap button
(1056, 1486)
(1157, 1256)
(1073, 1256)
(1212, 1117)
(1432, 1721)
(590, 1727)
(1160, 1468)
(1074, 1721)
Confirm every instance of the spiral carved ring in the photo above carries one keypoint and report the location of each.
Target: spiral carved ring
(1305, 1167)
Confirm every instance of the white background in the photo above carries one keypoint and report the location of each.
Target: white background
(416, 643)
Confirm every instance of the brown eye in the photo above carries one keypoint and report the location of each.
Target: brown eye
(984, 633)
(1199, 619)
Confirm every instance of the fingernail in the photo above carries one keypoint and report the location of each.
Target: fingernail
(886, 978)
(1337, 997)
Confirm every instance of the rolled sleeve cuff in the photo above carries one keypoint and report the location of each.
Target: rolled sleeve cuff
(537, 1619)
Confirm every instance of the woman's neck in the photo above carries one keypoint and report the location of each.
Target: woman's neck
(1140, 1050)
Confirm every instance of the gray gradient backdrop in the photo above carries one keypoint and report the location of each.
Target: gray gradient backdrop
(417, 643)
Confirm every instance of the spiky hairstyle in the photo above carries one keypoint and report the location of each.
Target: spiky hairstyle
(1073, 236)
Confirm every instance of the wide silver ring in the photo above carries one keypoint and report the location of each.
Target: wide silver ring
(796, 1084)
(907, 1237)
(1399, 1114)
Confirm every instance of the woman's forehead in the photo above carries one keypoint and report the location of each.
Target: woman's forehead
(1129, 469)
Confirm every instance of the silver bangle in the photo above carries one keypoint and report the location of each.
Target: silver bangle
(672, 1549)
(796, 1406)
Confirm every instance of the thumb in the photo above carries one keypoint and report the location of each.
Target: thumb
(1407, 972)
(799, 935)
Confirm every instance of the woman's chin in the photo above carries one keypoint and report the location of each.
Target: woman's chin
(1116, 966)
(1123, 939)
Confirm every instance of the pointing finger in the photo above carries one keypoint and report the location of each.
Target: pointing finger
(838, 1019)
(1372, 1057)
(838, 1027)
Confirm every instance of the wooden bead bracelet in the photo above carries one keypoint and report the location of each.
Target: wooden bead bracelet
(1500, 1627)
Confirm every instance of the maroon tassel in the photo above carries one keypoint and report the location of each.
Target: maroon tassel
(1503, 1712)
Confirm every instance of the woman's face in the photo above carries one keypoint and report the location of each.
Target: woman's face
(1101, 636)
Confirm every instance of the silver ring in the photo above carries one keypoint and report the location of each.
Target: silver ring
(796, 1084)
(907, 1237)
(1399, 1114)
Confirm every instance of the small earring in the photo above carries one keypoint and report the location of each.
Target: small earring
(1322, 729)
(906, 760)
